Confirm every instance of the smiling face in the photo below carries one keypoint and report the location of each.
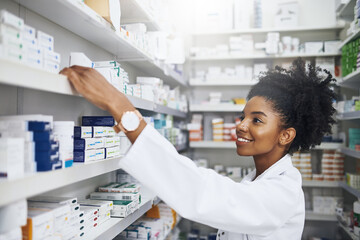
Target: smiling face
(259, 132)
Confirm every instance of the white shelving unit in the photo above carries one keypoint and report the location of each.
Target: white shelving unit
(353, 36)
(97, 30)
(350, 152)
(137, 13)
(322, 184)
(351, 80)
(349, 233)
(262, 56)
(33, 184)
(232, 82)
(224, 107)
(349, 115)
(347, 10)
(266, 30)
(231, 144)
(311, 216)
(112, 227)
(17, 74)
(353, 191)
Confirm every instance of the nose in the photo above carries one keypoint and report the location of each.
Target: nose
(242, 126)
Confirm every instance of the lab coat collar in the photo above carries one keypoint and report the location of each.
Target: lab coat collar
(277, 168)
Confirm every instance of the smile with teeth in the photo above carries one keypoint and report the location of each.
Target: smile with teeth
(243, 140)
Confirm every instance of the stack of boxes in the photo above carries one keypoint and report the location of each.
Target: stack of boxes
(64, 134)
(41, 149)
(122, 208)
(241, 45)
(305, 166)
(354, 138)
(332, 165)
(195, 128)
(20, 42)
(51, 216)
(215, 97)
(96, 212)
(272, 43)
(349, 57)
(14, 216)
(96, 139)
(229, 132)
(218, 129)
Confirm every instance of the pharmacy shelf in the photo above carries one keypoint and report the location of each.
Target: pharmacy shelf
(132, 11)
(40, 182)
(353, 36)
(346, 12)
(348, 232)
(311, 216)
(349, 115)
(97, 30)
(351, 80)
(224, 107)
(322, 184)
(353, 191)
(266, 30)
(350, 152)
(221, 82)
(17, 74)
(112, 227)
(262, 56)
(231, 144)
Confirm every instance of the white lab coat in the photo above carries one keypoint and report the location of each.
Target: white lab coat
(270, 207)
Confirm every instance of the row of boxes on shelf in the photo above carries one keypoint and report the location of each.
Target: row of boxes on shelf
(31, 143)
(323, 200)
(155, 224)
(148, 88)
(348, 105)
(350, 218)
(238, 46)
(20, 42)
(332, 166)
(235, 173)
(68, 217)
(350, 57)
(251, 73)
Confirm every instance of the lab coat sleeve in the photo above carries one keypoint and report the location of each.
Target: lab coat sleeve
(202, 195)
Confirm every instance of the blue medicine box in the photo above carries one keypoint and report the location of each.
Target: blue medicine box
(104, 121)
(36, 126)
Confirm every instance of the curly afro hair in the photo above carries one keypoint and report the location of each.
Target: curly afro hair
(302, 98)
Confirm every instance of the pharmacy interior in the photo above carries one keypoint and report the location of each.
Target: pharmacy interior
(187, 66)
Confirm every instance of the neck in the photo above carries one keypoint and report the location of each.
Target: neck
(263, 163)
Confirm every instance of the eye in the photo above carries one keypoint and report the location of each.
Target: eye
(257, 120)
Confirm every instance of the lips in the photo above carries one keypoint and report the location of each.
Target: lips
(243, 140)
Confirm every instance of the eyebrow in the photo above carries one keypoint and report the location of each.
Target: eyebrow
(254, 113)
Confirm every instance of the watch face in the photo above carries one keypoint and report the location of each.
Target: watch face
(130, 121)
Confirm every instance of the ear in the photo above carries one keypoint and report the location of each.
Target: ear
(287, 136)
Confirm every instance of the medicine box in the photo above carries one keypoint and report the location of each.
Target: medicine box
(114, 196)
(112, 152)
(85, 156)
(79, 58)
(314, 47)
(51, 66)
(61, 212)
(111, 141)
(54, 199)
(121, 188)
(103, 206)
(89, 143)
(29, 32)
(106, 64)
(40, 224)
(45, 39)
(98, 121)
(83, 132)
(11, 157)
(10, 19)
(13, 215)
(51, 56)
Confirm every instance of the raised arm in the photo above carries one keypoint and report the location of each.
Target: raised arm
(97, 90)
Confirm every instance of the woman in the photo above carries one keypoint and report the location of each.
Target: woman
(286, 111)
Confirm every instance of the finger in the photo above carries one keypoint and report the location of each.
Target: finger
(79, 68)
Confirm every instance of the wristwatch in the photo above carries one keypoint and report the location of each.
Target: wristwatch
(129, 121)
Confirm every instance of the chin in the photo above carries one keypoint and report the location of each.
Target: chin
(241, 152)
